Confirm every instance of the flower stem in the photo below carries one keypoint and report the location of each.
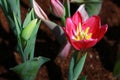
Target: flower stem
(63, 20)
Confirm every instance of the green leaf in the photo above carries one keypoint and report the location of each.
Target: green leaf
(77, 1)
(67, 8)
(12, 25)
(116, 71)
(34, 34)
(14, 6)
(0, 2)
(8, 8)
(4, 5)
(71, 69)
(18, 27)
(93, 7)
(20, 49)
(29, 69)
(83, 78)
(29, 48)
(28, 18)
(78, 67)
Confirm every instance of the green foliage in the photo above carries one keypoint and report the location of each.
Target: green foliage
(71, 69)
(93, 7)
(82, 78)
(29, 69)
(18, 27)
(26, 35)
(116, 70)
(14, 6)
(67, 8)
(30, 43)
(9, 7)
(30, 16)
(76, 66)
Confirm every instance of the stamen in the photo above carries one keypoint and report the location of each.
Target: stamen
(86, 31)
(80, 34)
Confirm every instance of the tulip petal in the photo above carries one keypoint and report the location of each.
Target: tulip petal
(78, 44)
(58, 8)
(39, 12)
(76, 18)
(93, 23)
(70, 26)
(90, 43)
(84, 44)
(102, 31)
(83, 12)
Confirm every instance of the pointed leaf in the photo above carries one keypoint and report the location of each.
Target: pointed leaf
(28, 18)
(29, 69)
(67, 8)
(29, 49)
(8, 9)
(93, 7)
(0, 2)
(77, 1)
(83, 78)
(14, 6)
(71, 69)
(79, 66)
(116, 71)
(18, 30)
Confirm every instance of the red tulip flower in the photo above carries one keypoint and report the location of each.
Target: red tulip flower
(84, 34)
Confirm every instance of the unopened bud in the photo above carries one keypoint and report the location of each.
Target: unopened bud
(27, 31)
(58, 8)
(39, 12)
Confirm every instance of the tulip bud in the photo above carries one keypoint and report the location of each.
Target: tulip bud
(58, 8)
(39, 12)
(27, 31)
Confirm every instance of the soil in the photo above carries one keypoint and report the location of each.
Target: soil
(100, 59)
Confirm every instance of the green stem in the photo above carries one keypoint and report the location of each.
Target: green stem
(32, 51)
(67, 8)
(20, 50)
(63, 20)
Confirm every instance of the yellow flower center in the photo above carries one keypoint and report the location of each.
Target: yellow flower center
(79, 34)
